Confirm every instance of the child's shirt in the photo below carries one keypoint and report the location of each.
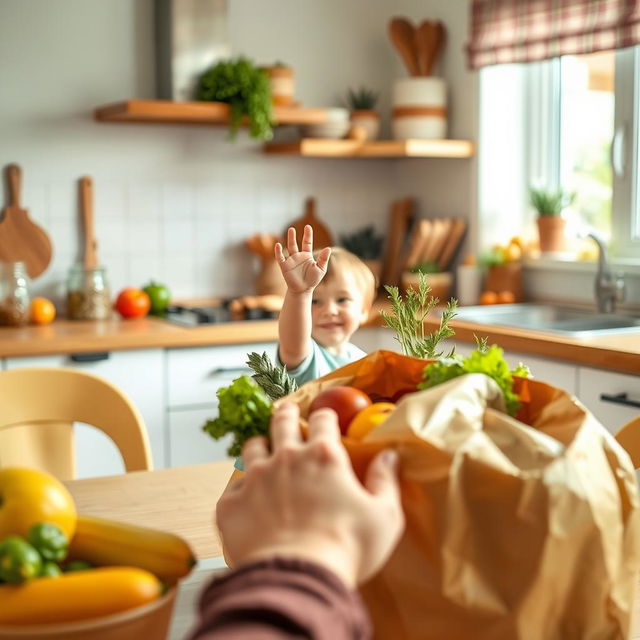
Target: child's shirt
(317, 364)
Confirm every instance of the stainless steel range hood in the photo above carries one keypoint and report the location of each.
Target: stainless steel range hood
(191, 35)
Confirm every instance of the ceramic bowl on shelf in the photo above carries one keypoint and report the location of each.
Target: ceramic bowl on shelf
(336, 126)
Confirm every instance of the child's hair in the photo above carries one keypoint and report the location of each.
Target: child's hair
(343, 260)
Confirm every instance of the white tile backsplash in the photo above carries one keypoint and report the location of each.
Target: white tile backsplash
(190, 232)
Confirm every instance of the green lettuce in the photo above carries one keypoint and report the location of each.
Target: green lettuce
(244, 410)
(487, 360)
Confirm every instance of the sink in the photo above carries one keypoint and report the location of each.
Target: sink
(550, 318)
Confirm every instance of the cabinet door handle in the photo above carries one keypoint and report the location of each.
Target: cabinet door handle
(89, 357)
(219, 370)
(620, 398)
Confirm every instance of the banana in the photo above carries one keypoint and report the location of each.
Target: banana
(77, 596)
(105, 542)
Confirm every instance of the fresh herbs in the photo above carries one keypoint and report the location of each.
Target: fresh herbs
(407, 319)
(549, 202)
(274, 379)
(246, 89)
(244, 411)
(487, 360)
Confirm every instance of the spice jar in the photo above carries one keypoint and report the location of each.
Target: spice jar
(88, 294)
(15, 295)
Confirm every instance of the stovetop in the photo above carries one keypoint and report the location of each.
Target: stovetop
(202, 316)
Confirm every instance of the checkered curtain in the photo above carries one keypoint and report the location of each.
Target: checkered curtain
(528, 30)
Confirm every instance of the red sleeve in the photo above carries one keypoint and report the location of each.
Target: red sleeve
(281, 598)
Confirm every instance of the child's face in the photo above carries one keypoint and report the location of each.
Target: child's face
(337, 310)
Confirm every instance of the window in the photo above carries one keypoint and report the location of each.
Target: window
(582, 135)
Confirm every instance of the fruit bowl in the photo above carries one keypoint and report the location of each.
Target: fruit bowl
(149, 622)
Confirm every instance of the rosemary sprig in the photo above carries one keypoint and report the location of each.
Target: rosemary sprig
(273, 378)
(407, 320)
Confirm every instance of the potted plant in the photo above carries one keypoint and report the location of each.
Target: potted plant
(246, 89)
(362, 103)
(366, 243)
(549, 204)
(281, 81)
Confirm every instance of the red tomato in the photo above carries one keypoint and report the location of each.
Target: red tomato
(345, 401)
(132, 303)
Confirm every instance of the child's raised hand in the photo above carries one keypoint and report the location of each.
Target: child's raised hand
(300, 270)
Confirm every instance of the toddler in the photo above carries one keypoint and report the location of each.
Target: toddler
(329, 295)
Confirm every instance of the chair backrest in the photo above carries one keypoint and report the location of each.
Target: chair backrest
(629, 437)
(39, 405)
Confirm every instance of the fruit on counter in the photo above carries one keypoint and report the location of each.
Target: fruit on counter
(369, 418)
(77, 596)
(132, 303)
(345, 401)
(159, 297)
(497, 297)
(488, 297)
(28, 496)
(19, 561)
(42, 311)
(105, 542)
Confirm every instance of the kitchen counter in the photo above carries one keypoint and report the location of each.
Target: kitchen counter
(615, 352)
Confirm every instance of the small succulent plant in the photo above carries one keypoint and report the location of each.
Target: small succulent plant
(362, 99)
(365, 243)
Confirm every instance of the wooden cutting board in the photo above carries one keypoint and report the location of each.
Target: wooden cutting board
(452, 243)
(437, 238)
(86, 212)
(21, 239)
(321, 235)
(399, 221)
(419, 237)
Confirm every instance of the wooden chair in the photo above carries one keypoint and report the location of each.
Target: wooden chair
(38, 407)
(629, 437)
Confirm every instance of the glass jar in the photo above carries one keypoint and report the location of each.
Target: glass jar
(15, 295)
(88, 294)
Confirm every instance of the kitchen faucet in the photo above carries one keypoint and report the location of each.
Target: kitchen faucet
(609, 289)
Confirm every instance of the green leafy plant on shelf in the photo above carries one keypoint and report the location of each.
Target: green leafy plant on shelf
(550, 202)
(246, 89)
(362, 99)
(366, 243)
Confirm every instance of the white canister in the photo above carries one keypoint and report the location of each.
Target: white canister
(419, 108)
(468, 284)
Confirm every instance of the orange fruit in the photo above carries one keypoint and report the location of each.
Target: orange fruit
(488, 297)
(506, 297)
(370, 417)
(43, 311)
(512, 252)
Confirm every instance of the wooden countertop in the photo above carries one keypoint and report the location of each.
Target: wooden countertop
(615, 352)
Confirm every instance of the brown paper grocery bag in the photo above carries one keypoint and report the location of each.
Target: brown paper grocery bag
(516, 528)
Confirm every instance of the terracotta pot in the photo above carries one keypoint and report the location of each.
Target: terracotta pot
(282, 83)
(551, 233)
(369, 120)
(505, 277)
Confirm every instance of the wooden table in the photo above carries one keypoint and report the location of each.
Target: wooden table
(182, 500)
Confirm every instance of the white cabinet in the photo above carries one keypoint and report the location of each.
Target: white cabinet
(140, 374)
(609, 396)
(193, 377)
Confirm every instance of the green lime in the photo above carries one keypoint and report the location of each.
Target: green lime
(19, 561)
(49, 540)
(50, 570)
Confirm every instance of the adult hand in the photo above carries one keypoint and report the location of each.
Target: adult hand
(304, 500)
(300, 270)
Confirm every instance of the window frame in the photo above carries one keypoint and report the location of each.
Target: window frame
(542, 141)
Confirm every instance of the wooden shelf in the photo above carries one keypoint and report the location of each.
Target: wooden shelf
(325, 148)
(166, 111)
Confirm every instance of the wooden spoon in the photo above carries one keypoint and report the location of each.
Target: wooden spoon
(440, 36)
(86, 210)
(425, 42)
(403, 37)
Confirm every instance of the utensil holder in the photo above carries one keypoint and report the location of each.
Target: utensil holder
(419, 108)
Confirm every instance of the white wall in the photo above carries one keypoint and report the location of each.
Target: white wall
(176, 202)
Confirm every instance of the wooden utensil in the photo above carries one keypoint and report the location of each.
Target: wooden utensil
(452, 243)
(440, 36)
(21, 239)
(321, 235)
(425, 43)
(399, 221)
(435, 243)
(402, 34)
(419, 237)
(86, 211)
